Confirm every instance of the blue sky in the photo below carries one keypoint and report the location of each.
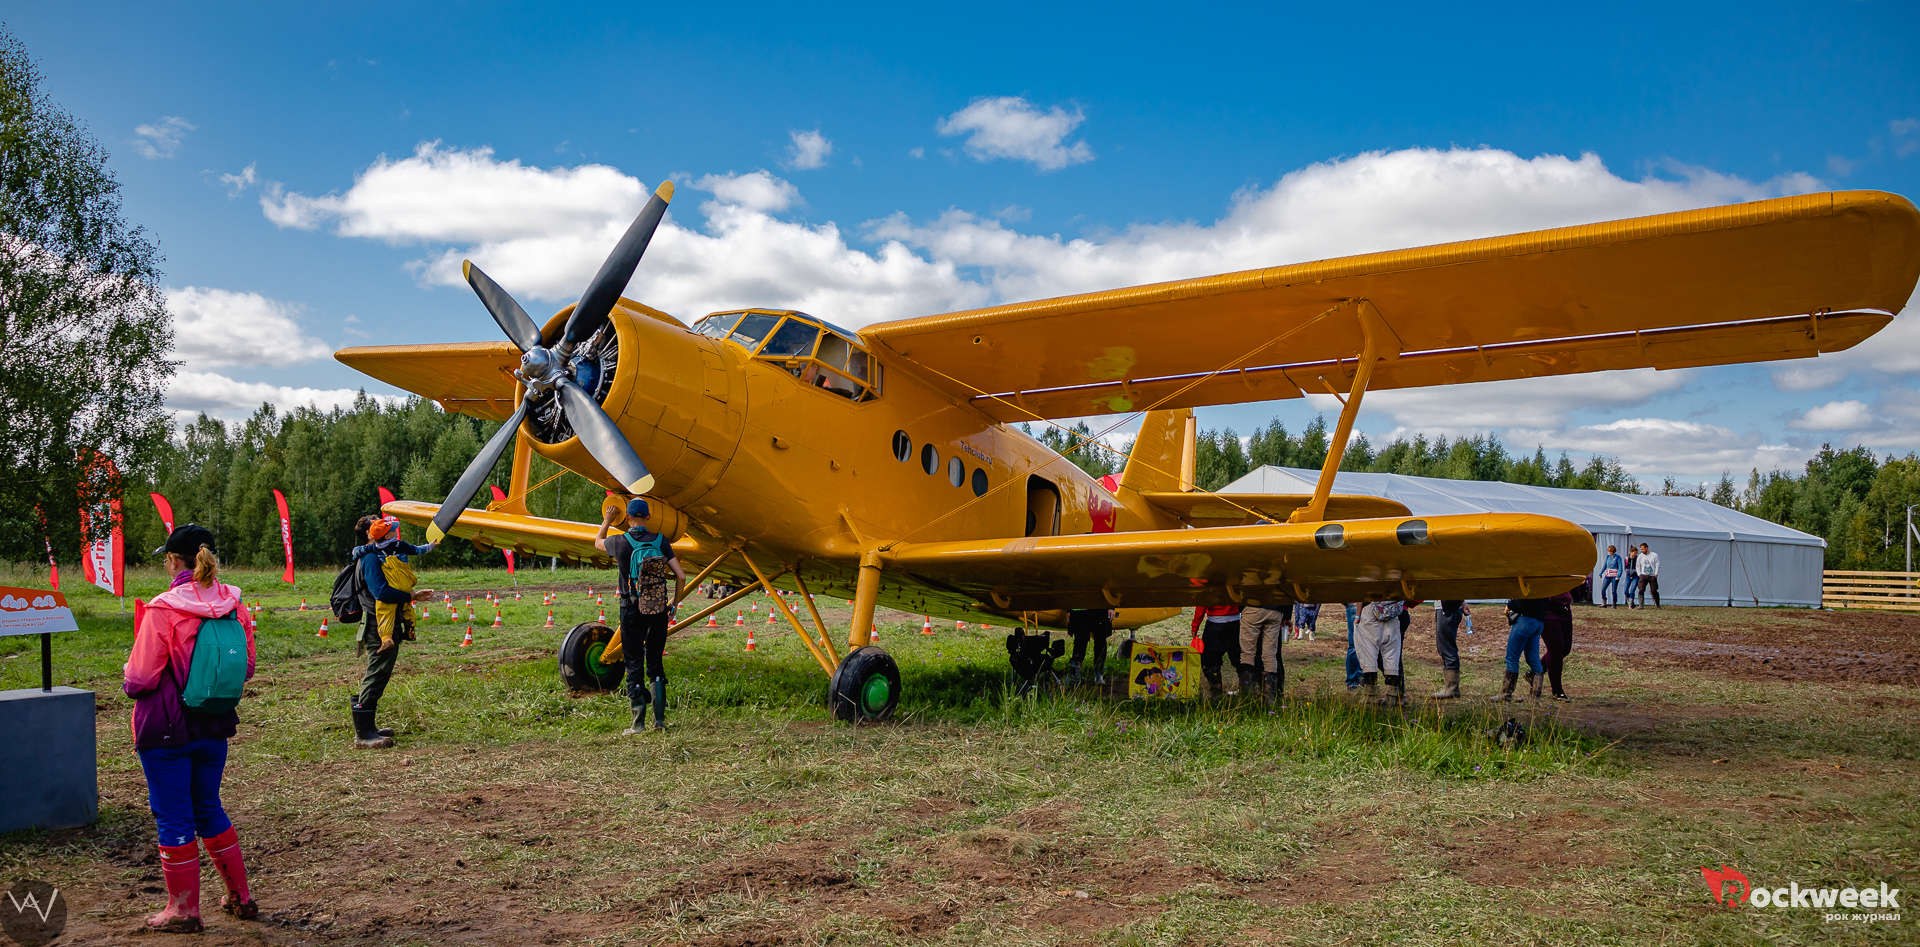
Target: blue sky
(314, 175)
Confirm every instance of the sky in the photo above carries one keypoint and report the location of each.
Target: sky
(313, 176)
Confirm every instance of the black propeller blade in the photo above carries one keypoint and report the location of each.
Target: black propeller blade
(603, 439)
(599, 298)
(513, 319)
(476, 474)
(544, 371)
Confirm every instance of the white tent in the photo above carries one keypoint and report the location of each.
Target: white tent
(1709, 555)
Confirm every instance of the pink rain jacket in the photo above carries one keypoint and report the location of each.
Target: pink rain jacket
(163, 641)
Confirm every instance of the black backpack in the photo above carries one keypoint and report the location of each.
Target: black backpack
(349, 594)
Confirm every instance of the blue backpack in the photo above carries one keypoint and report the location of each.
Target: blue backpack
(218, 675)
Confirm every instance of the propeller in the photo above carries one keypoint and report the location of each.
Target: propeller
(552, 370)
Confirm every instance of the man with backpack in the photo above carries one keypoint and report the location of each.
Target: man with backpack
(192, 656)
(387, 580)
(643, 559)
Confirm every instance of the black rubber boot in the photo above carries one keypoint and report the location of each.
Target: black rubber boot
(1370, 684)
(1270, 686)
(659, 703)
(364, 734)
(1533, 684)
(1396, 689)
(1247, 680)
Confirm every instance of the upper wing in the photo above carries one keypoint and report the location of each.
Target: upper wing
(1480, 555)
(1782, 278)
(529, 535)
(1240, 509)
(473, 378)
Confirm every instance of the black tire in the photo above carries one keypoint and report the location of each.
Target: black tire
(865, 687)
(580, 667)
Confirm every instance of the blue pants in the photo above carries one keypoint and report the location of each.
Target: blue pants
(1633, 584)
(183, 790)
(1353, 659)
(1525, 637)
(1610, 589)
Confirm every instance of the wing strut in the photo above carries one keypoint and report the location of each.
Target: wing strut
(1377, 345)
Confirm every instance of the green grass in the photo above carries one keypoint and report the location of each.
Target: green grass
(979, 816)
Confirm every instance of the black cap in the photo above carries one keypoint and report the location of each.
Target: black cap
(186, 539)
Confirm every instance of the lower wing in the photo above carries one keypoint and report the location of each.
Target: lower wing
(1241, 509)
(1478, 556)
(529, 535)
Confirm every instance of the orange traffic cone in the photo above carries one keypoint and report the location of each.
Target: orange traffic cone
(472, 616)
(739, 619)
(516, 595)
(926, 628)
(323, 627)
(303, 604)
(549, 618)
(496, 616)
(770, 618)
(959, 626)
(603, 614)
(750, 639)
(874, 635)
(600, 601)
(711, 623)
(468, 640)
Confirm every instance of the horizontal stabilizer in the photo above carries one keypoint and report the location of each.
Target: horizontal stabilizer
(1242, 509)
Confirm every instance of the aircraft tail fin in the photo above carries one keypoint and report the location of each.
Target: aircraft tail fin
(1161, 460)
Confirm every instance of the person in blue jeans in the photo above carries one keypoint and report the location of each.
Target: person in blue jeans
(1528, 619)
(1633, 573)
(1610, 571)
(1353, 658)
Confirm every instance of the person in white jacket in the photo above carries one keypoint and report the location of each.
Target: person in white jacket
(1648, 565)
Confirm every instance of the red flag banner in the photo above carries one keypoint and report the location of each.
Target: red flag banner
(165, 509)
(103, 547)
(386, 496)
(286, 534)
(46, 537)
(501, 497)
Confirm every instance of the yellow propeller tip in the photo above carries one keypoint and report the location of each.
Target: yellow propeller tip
(664, 191)
(434, 534)
(466, 269)
(642, 486)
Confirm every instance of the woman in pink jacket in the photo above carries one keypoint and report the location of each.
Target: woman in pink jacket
(184, 752)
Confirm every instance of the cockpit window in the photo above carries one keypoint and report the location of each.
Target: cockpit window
(717, 325)
(753, 328)
(794, 339)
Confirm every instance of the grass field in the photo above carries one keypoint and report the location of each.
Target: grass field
(1780, 742)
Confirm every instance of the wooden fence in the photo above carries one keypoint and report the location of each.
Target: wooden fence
(1898, 591)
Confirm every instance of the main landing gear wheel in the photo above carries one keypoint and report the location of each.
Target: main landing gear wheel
(580, 667)
(865, 686)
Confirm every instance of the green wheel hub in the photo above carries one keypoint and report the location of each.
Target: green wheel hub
(594, 651)
(875, 692)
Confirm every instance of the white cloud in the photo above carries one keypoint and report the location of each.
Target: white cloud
(193, 393)
(448, 195)
(1011, 127)
(237, 183)
(756, 191)
(1808, 376)
(1906, 135)
(161, 139)
(1834, 416)
(217, 327)
(810, 150)
(1690, 451)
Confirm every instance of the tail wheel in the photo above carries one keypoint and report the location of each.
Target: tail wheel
(580, 667)
(866, 686)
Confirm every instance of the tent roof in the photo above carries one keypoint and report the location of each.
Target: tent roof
(1597, 510)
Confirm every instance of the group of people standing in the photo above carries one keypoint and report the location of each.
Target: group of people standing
(1641, 570)
(181, 736)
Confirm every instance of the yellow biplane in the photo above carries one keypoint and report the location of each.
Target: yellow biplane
(885, 465)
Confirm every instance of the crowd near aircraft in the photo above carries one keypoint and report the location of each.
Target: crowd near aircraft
(782, 452)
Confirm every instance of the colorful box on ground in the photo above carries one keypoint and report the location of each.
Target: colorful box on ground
(1163, 671)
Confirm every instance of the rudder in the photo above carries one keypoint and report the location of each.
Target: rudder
(1163, 454)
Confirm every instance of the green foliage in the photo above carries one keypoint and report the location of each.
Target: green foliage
(1078, 444)
(86, 334)
(329, 465)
